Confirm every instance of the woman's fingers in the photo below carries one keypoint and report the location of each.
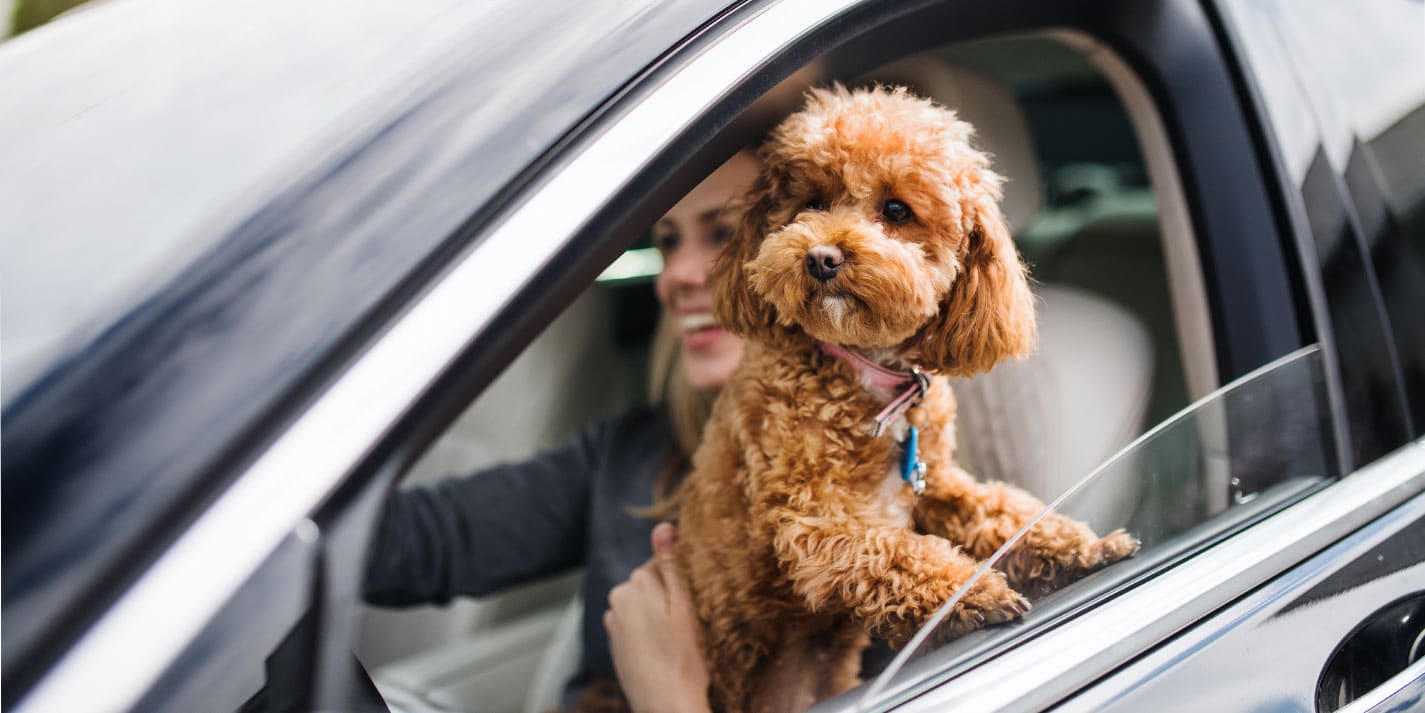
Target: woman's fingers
(664, 562)
(657, 581)
(653, 634)
(665, 537)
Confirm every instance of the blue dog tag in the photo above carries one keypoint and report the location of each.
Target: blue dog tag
(913, 469)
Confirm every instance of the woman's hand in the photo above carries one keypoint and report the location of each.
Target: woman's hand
(653, 635)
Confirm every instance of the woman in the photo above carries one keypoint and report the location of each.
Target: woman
(580, 502)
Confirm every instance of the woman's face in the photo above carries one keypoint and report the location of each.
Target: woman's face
(690, 236)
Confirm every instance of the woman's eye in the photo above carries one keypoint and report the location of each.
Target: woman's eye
(723, 233)
(666, 242)
(895, 211)
(817, 203)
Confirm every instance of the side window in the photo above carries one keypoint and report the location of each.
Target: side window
(1119, 305)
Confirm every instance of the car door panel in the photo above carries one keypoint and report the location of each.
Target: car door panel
(1268, 650)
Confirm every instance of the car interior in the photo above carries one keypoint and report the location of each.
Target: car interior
(1097, 215)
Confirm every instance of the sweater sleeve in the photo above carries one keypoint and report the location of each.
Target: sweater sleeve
(480, 533)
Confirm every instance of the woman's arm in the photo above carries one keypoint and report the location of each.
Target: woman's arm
(475, 535)
(653, 634)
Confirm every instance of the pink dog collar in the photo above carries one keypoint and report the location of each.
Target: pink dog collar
(913, 383)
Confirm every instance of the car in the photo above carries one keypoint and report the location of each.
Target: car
(264, 261)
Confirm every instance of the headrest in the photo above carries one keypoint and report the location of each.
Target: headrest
(989, 105)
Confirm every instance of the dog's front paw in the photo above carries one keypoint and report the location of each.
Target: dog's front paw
(1111, 548)
(990, 601)
(1037, 568)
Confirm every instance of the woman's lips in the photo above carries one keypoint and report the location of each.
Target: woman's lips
(699, 330)
(702, 339)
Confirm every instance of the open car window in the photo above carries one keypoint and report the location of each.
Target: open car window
(1113, 332)
(1226, 461)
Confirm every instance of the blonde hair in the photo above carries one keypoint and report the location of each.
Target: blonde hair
(684, 409)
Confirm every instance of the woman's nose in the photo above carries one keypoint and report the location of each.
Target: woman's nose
(688, 267)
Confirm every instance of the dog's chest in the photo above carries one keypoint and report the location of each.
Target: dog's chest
(893, 502)
(892, 499)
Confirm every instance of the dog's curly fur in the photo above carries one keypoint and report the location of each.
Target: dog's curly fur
(797, 534)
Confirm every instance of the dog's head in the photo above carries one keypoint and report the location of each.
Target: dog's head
(875, 224)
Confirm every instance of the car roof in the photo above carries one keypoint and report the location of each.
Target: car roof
(213, 206)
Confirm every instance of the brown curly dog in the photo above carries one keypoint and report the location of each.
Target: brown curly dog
(872, 244)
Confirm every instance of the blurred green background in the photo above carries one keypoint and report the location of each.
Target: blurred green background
(29, 14)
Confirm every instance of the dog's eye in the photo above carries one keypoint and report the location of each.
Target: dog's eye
(895, 211)
(817, 203)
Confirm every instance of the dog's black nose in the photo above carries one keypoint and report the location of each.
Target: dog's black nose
(823, 261)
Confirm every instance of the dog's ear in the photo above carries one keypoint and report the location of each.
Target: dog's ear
(736, 307)
(988, 315)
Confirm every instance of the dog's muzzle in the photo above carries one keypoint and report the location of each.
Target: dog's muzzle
(824, 261)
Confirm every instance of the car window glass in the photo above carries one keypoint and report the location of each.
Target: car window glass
(1234, 456)
(1345, 61)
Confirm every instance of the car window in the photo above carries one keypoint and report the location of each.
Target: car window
(1117, 308)
(1247, 449)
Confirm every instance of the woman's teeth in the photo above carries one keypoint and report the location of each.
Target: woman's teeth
(695, 322)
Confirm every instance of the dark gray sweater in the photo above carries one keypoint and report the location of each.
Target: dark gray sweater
(514, 523)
